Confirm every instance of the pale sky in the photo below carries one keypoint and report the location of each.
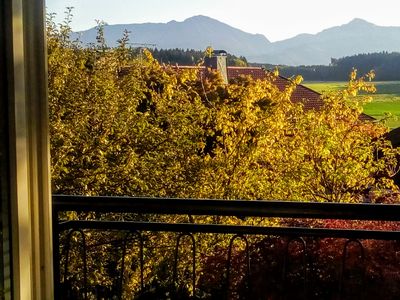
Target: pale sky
(277, 20)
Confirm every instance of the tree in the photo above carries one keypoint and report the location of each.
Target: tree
(123, 124)
(339, 154)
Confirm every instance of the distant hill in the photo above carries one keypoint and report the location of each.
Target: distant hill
(357, 36)
(193, 33)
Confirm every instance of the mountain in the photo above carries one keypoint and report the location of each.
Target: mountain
(198, 32)
(355, 37)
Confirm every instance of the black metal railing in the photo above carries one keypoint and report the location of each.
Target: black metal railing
(274, 250)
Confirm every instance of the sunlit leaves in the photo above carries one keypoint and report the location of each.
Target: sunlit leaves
(121, 124)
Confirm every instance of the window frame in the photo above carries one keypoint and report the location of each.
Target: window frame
(26, 180)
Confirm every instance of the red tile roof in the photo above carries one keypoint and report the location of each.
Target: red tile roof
(310, 98)
(256, 73)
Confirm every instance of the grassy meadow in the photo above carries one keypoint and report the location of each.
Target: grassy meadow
(385, 100)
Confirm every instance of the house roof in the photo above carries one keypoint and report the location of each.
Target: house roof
(311, 99)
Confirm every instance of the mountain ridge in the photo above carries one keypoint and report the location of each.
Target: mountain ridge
(198, 32)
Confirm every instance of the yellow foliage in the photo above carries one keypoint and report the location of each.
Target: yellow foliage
(121, 124)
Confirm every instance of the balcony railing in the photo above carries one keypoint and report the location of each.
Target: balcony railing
(158, 248)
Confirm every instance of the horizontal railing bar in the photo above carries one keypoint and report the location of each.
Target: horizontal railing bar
(255, 208)
(231, 229)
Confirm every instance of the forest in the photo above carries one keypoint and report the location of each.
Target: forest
(190, 57)
(384, 64)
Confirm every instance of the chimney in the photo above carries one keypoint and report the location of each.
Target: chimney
(217, 62)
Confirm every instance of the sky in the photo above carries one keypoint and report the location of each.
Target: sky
(277, 20)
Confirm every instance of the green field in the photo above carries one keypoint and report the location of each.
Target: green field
(385, 100)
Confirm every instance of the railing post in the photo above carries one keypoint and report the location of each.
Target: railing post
(343, 266)
(141, 260)
(84, 258)
(303, 243)
(228, 266)
(175, 271)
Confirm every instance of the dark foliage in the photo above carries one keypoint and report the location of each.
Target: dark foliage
(385, 65)
(190, 57)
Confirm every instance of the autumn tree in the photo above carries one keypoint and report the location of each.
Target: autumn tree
(123, 124)
(341, 157)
